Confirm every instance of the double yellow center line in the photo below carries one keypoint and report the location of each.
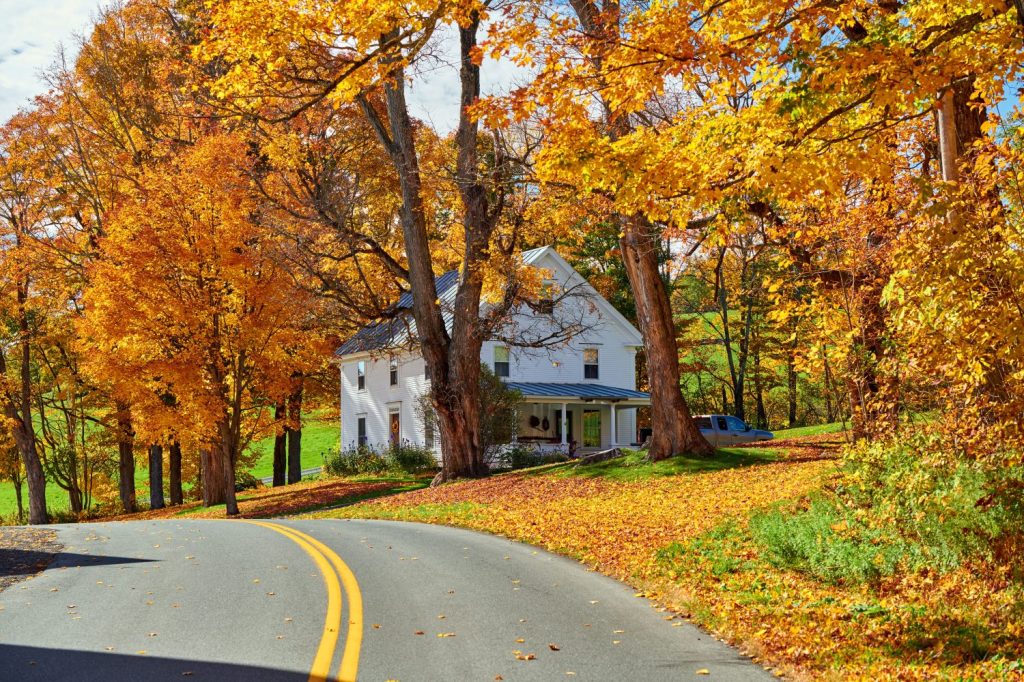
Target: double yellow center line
(337, 575)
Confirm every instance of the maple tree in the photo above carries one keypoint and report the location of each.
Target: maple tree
(215, 323)
(370, 72)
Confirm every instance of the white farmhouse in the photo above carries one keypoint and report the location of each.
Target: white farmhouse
(581, 391)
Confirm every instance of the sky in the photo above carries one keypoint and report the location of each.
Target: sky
(31, 31)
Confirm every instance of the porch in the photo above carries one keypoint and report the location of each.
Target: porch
(577, 418)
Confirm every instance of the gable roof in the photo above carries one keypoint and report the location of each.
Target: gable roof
(400, 329)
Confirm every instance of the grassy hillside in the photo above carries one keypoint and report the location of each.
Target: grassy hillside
(319, 435)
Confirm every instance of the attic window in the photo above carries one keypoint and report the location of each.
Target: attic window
(501, 365)
(545, 301)
(361, 375)
(590, 363)
(394, 372)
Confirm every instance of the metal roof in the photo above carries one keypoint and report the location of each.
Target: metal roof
(400, 329)
(576, 391)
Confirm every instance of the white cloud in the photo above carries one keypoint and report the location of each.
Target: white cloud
(434, 93)
(30, 33)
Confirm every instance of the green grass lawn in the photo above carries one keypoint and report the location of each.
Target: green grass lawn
(319, 434)
(635, 467)
(815, 430)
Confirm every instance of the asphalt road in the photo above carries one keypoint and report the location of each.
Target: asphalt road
(233, 600)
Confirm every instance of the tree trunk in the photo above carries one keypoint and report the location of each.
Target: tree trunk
(295, 433)
(872, 395)
(174, 473)
(227, 457)
(762, 415)
(791, 388)
(454, 384)
(156, 477)
(126, 460)
(674, 431)
(831, 413)
(17, 408)
(75, 498)
(280, 444)
(213, 474)
(17, 497)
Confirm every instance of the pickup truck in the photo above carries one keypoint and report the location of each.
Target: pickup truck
(724, 431)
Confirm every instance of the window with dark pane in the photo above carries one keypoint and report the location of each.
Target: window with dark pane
(590, 363)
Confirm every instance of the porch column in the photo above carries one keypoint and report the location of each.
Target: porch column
(565, 424)
(615, 435)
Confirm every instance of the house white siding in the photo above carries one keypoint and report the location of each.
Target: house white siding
(379, 398)
(604, 329)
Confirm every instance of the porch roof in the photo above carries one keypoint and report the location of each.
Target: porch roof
(578, 392)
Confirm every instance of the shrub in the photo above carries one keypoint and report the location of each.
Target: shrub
(365, 460)
(899, 505)
(413, 458)
(246, 481)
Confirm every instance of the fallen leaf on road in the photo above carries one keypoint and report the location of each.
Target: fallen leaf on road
(418, 632)
(187, 673)
(141, 652)
(526, 657)
(376, 626)
(554, 647)
(271, 594)
(288, 620)
(520, 640)
(703, 671)
(616, 641)
(108, 648)
(151, 634)
(617, 632)
(446, 634)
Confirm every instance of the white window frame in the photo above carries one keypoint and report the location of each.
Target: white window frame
(596, 364)
(361, 375)
(393, 372)
(364, 437)
(507, 362)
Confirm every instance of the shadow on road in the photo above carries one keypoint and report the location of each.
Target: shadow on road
(29, 664)
(19, 562)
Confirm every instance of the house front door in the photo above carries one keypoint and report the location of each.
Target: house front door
(591, 428)
(395, 429)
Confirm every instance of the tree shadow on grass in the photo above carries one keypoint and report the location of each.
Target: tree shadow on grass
(955, 640)
(32, 664)
(634, 466)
